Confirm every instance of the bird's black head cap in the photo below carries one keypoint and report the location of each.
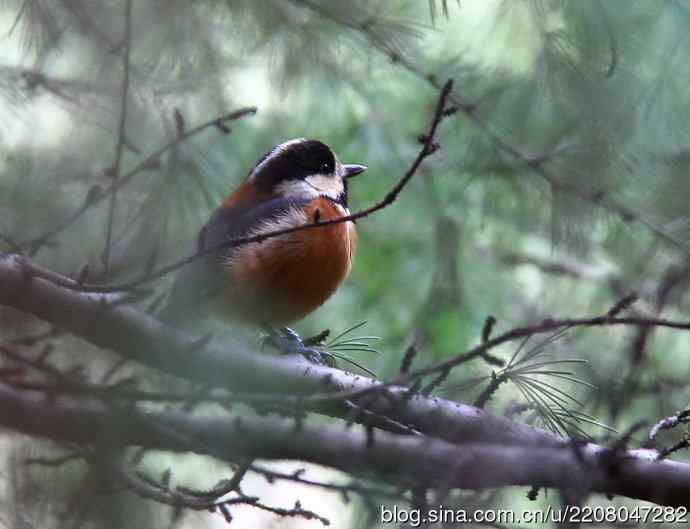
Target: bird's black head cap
(293, 160)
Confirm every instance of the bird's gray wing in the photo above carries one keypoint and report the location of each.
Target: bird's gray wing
(200, 280)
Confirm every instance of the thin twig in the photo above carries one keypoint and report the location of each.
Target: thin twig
(683, 444)
(182, 498)
(480, 350)
(429, 146)
(96, 195)
(408, 357)
(535, 163)
(682, 417)
(121, 133)
(148, 488)
(343, 489)
(488, 392)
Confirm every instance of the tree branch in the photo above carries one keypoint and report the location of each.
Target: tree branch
(233, 365)
(114, 171)
(494, 441)
(535, 163)
(104, 322)
(95, 196)
(403, 459)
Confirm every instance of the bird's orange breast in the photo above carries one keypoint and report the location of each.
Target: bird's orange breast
(282, 279)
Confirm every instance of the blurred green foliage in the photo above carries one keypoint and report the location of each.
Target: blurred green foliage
(596, 91)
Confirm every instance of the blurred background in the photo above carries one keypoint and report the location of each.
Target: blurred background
(562, 185)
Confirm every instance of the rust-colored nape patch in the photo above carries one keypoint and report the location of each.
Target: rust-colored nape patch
(245, 195)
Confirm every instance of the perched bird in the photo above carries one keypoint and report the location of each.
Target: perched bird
(282, 279)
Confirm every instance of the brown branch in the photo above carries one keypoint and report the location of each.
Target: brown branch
(549, 325)
(406, 460)
(182, 498)
(674, 278)
(114, 171)
(229, 365)
(232, 365)
(480, 350)
(138, 336)
(355, 486)
(296, 511)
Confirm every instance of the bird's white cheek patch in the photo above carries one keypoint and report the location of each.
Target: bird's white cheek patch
(312, 187)
(330, 186)
(296, 188)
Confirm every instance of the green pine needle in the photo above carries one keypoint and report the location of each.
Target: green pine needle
(343, 343)
(351, 361)
(528, 369)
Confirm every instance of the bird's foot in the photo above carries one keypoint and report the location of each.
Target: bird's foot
(289, 342)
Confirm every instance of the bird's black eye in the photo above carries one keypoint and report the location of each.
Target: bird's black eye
(325, 167)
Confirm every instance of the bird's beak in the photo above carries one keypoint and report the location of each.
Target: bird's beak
(353, 169)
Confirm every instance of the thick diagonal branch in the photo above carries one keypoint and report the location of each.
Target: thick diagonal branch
(136, 335)
(408, 460)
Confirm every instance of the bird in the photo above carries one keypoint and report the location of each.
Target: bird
(277, 281)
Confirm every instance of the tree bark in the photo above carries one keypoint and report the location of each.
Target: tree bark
(463, 446)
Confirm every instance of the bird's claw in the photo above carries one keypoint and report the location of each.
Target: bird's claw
(289, 342)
